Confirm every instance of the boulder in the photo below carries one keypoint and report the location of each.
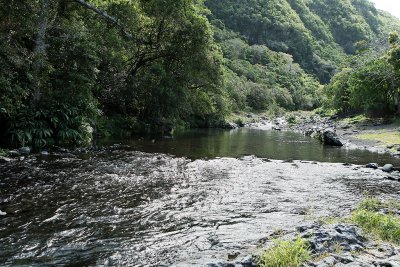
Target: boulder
(14, 153)
(44, 153)
(309, 132)
(325, 239)
(330, 138)
(24, 150)
(231, 125)
(372, 166)
(388, 168)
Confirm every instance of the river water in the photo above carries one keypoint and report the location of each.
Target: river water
(187, 201)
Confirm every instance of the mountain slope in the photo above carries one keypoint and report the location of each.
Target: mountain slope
(317, 33)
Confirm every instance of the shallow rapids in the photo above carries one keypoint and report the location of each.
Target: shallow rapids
(127, 208)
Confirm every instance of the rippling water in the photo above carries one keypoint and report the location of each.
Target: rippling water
(211, 143)
(129, 208)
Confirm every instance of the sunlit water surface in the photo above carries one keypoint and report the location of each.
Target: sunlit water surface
(187, 201)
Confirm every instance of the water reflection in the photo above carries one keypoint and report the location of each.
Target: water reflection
(213, 143)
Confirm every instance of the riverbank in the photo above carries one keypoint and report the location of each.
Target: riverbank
(378, 135)
(370, 236)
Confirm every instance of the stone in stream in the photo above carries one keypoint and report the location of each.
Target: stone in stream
(330, 138)
(372, 166)
(388, 168)
(3, 213)
(4, 160)
(231, 125)
(14, 153)
(24, 150)
(44, 153)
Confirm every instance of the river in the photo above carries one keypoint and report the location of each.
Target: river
(186, 201)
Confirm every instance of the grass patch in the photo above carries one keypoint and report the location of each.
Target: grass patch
(355, 120)
(3, 152)
(386, 138)
(286, 254)
(384, 226)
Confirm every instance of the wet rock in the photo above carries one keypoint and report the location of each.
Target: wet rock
(387, 168)
(309, 132)
(233, 255)
(330, 138)
(4, 160)
(248, 261)
(326, 262)
(231, 125)
(327, 239)
(391, 178)
(310, 226)
(68, 156)
(44, 153)
(391, 262)
(2, 213)
(14, 153)
(372, 166)
(390, 146)
(24, 150)
(221, 264)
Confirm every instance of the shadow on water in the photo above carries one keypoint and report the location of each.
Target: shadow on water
(211, 143)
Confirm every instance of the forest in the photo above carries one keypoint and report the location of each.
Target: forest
(76, 70)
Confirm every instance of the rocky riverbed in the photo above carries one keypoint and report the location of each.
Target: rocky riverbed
(119, 207)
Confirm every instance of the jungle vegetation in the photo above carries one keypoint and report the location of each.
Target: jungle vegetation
(72, 69)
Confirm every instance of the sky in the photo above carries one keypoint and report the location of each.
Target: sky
(392, 6)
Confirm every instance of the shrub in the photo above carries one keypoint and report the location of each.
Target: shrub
(286, 254)
(383, 226)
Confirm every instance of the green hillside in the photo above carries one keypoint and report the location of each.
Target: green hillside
(318, 33)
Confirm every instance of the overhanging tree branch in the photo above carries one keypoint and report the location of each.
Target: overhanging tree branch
(105, 16)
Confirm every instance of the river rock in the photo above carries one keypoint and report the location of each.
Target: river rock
(372, 166)
(326, 239)
(24, 150)
(4, 160)
(44, 153)
(13, 153)
(329, 137)
(248, 261)
(309, 132)
(388, 168)
(231, 125)
(2, 213)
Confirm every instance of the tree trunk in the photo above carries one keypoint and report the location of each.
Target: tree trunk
(39, 52)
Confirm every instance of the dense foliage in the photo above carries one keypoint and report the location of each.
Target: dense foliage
(317, 33)
(68, 66)
(370, 82)
(64, 64)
